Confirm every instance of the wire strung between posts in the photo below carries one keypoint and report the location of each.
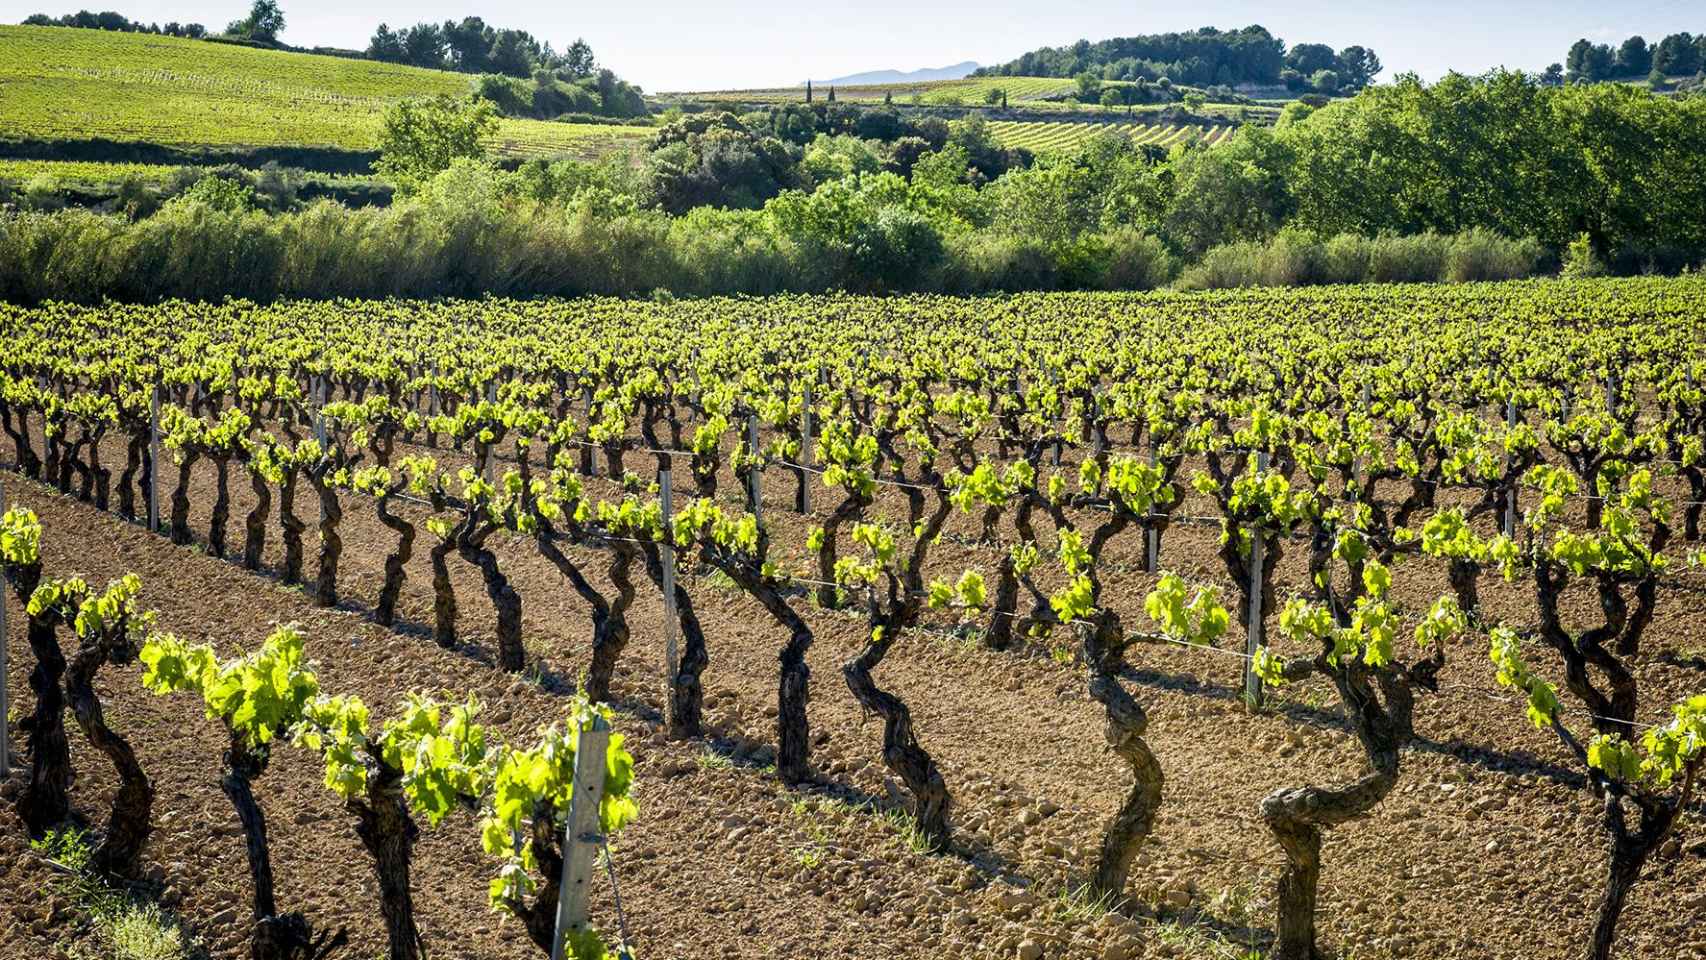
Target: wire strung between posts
(616, 895)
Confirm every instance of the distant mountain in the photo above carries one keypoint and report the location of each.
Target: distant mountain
(956, 72)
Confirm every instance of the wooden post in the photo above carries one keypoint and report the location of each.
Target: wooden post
(1510, 495)
(1361, 466)
(154, 460)
(670, 626)
(581, 839)
(806, 449)
(1256, 635)
(5, 700)
(589, 465)
(1152, 536)
(1611, 387)
(755, 481)
(491, 450)
(325, 393)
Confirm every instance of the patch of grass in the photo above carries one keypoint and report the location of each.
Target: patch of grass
(711, 760)
(124, 926)
(1199, 941)
(1081, 904)
(906, 828)
(140, 930)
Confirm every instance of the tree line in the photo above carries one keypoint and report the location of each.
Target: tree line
(1202, 57)
(1678, 55)
(473, 46)
(117, 22)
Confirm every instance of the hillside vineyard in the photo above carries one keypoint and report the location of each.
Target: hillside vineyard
(1356, 492)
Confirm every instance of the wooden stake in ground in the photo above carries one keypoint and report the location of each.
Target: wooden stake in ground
(805, 503)
(581, 839)
(154, 460)
(1510, 495)
(670, 659)
(1152, 535)
(5, 702)
(1255, 636)
(755, 478)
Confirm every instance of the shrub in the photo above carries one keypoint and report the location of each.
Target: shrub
(1581, 260)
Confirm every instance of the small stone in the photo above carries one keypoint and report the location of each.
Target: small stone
(1030, 818)
(1048, 808)
(1030, 950)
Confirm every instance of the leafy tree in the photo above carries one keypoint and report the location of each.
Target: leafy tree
(1307, 59)
(1677, 55)
(577, 61)
(421, 137)
(1089, 86)
(1634, 58)
(264, 22)
(1553, 75)
(386, 46)
(1357, 67)
(1111, 98)
(1325, 81)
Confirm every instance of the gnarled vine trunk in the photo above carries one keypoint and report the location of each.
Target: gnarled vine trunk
(291, 527)
(396, 562)
(46, 799)
(902, 752)
(255, 524)
(443, 595)
(274, 936)
(133, 449)
(512, 656)
(221, 506)
(331, 545)
(181, 498)
(128, 824)
(1298, 815)
(1126, 724)
(610, 630)
(389, 834)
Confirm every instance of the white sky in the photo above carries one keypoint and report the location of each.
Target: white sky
(682, 45)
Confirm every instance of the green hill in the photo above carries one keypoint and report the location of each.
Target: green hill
(60, 84)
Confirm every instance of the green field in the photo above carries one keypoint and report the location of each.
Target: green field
(1051, 137)
(81, 175)
(70, 84)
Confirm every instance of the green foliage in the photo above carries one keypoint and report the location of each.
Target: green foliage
(1515, 674)
(1201, 620)
(259, 696)
(20, 538)
(539, 782)
(421, 138)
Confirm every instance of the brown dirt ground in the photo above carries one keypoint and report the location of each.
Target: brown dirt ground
(1488, 848)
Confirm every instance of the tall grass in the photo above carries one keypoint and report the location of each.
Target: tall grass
(1299, 259)
(468, 240)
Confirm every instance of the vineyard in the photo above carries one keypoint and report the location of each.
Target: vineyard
(1045, 137)
(69, 84)
(968, 92)
(1276, 624)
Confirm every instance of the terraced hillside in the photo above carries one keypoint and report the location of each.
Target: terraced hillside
(66, 84)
